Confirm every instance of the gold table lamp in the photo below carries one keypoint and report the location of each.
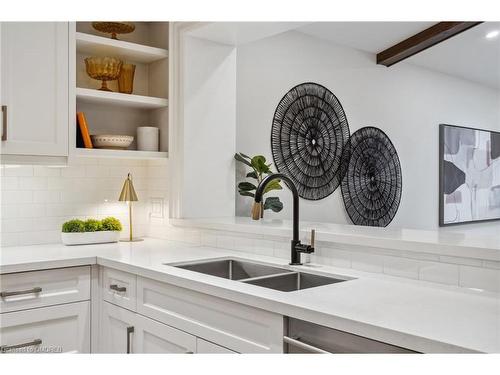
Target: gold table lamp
(129, 195)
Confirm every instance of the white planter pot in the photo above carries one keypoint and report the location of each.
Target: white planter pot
(85, 238)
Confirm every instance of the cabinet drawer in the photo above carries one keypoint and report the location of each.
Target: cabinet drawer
(207, 347)
(238, 327)
(27, 290)
(54, 329)
(119, 287)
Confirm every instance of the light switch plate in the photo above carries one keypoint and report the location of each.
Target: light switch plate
(156, 209)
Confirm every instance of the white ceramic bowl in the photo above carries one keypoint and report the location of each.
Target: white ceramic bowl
(112, 141)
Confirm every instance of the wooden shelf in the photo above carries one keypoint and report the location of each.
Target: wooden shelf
(123, 154)
(119, 99)
(100, 46)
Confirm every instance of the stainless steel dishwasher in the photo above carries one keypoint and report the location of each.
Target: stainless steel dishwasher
(306, 337)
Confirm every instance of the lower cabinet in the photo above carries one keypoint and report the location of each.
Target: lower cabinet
(55, 329)
(123, 331)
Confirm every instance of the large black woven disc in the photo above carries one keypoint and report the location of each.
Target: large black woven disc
(371, 187)
(307, 139)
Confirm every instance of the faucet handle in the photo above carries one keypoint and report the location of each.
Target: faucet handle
(256, 208)
(313, 235)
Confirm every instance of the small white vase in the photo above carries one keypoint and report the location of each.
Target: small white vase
(148, 138)
(85, 238)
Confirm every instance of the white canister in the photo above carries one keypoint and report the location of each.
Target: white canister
(148, 138)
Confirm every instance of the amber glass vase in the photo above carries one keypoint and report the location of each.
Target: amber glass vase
(126, 79)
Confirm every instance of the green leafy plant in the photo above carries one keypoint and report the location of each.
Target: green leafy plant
(93, 225)
(73, 226)
(259, 169)
(111, 223)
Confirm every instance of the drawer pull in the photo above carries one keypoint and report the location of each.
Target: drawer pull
(20, 292)
(5, 348)
(4, 123)
(117, 288)
(302, 345)
(130, 330)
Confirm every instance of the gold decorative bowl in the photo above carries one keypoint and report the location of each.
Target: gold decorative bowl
(103, 69)
(114, 28)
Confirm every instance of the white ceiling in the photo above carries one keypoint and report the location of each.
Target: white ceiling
(366, 36)
(468, 55)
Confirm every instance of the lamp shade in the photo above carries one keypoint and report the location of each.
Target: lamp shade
(128, 193)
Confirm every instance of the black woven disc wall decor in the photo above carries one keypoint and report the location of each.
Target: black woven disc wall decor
(308, 135)
(372, 183)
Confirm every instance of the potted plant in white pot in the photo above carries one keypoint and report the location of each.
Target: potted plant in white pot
(91, 231)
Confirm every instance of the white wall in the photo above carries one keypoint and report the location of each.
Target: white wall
(36, 200)
(405, 101)
(209, 129)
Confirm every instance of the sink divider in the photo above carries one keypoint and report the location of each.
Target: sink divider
(268, 276)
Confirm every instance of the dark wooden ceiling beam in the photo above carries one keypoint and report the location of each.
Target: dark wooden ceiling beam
(421, 41)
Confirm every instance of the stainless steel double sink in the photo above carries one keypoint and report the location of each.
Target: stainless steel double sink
(282, 279)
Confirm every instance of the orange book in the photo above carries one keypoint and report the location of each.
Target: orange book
(84, 129)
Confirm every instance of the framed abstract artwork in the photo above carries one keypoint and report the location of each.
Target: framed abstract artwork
(469, 175)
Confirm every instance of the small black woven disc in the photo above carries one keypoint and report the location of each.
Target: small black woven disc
(308, 135)
(371, 187)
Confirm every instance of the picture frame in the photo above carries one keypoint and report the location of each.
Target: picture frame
(469, 175)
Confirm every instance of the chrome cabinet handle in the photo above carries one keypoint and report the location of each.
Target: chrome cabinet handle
(19, 292)
(4, 123)
(130, 330)
(189, 352)
(302, 345)
(117, 288)
(5, 348)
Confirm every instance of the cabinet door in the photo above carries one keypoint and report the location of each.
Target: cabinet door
(117, 329)
(207, 347)
(55, 329)
(155, 337)
(34, 88)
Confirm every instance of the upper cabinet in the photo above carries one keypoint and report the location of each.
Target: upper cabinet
(123, 108)
(34, 88)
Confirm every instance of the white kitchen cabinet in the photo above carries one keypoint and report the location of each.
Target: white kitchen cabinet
(155, 337)
(55, 329)
(117, 328)
(28, 290)
(34, 88)
(207, 347)
(123, 331)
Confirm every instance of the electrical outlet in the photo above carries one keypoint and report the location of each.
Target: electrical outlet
(156, 209)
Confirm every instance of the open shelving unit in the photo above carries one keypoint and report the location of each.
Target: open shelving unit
(119, 99)
(112, 112)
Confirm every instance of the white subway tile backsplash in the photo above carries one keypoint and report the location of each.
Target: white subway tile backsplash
(17, 225)
(87, 187)
(480, 278)
(33, 183)
(46, 196)
(459, 260)
(41, 171)
(338, 258)
(17, 196)
(208, 239)
(367, 262)
(442, 273)
(18, 170)
(74, 171)
(263, 247)
(9, 183)
(491, 264)
(402, 267)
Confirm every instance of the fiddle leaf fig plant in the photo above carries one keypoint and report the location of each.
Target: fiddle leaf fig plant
(260, 168)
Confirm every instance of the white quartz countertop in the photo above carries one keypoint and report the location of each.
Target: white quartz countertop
(450, 241)
(412, 314)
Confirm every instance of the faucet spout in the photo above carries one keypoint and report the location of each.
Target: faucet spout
(296, 246)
